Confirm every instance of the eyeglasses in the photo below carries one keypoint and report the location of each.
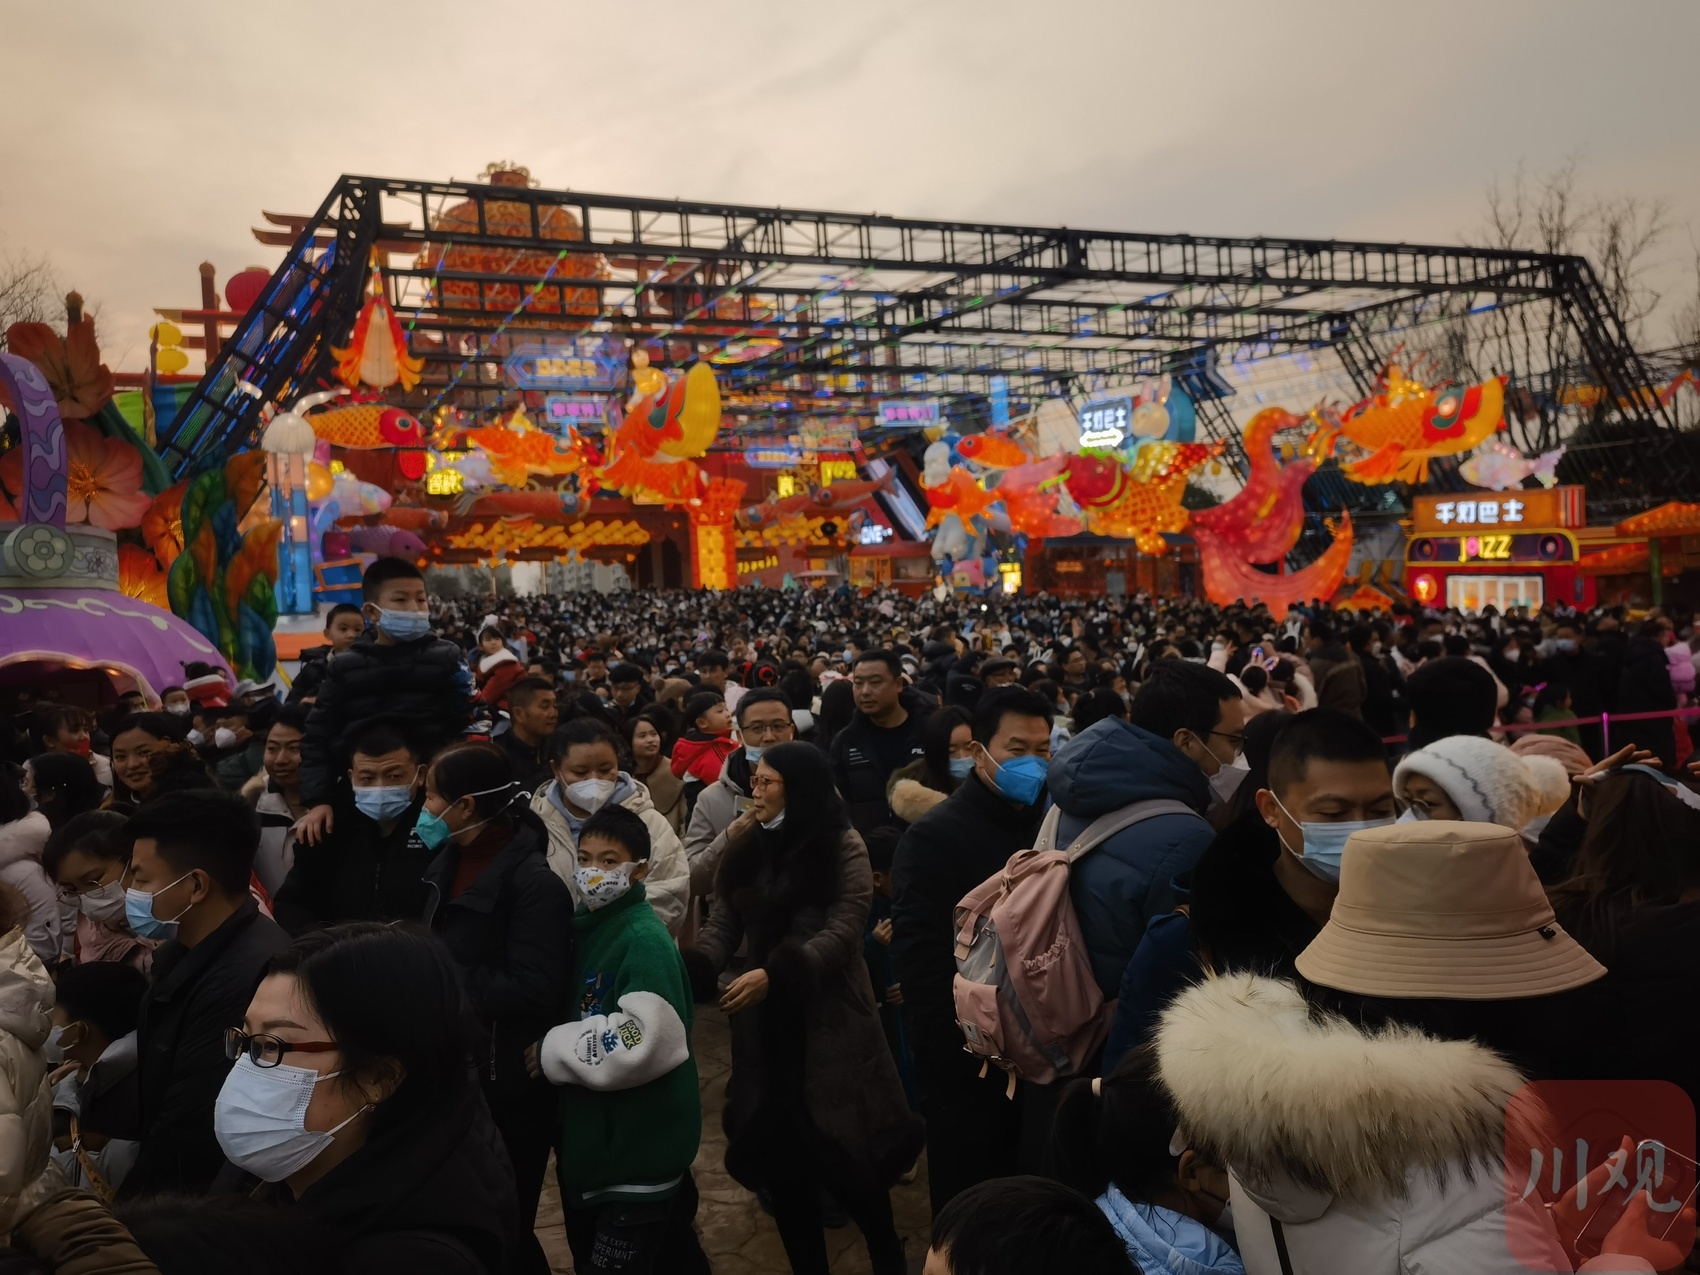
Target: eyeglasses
(764, 729)
(72, 892)
(1416, 806)
(760, 783)
(1238, 741)
(268, 1051)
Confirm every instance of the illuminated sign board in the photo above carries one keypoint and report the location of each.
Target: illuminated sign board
(874, 533)
(773, 457)
(578, 410)
(1104, 423)
(568, 363)
(827, 435)
(909, 413)
(1493, 548)
(1543, 507)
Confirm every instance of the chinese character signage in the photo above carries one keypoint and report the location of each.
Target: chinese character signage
(909, 413)
(1104, 423)
(568, 363)
(578, 411)
(1515, 511)
(833, 435)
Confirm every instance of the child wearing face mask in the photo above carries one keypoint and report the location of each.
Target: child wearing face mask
(631, 1117)
(89, 860)
(1115, 1140)
(96, 1091)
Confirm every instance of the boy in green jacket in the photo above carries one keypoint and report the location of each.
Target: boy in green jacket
(631, 1116)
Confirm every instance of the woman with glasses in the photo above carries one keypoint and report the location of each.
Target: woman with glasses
(350, 1098)
(814, 1104)
(89, 860)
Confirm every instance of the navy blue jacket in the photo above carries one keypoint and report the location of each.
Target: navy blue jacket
(1122, 884)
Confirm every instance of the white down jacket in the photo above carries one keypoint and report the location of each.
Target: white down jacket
(1365, 1153)
(26, 1103)
(668, 884)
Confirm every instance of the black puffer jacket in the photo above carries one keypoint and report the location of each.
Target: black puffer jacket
(314, 661)
(422, 686)
(511, 931)
(359, 872)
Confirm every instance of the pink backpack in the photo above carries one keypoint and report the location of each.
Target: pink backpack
(1025, 996)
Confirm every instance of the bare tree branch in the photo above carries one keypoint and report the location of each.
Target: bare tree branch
(29, 293)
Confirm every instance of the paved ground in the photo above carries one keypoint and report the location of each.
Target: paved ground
(737, 1236)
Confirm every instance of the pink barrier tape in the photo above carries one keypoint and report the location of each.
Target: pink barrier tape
(1604, 720)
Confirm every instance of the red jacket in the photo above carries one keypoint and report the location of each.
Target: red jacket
(702, 756)
(496, 677)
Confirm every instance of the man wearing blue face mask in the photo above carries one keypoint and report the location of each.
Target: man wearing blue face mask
(369, 867)
(973, 1129)
(1262, 889)
(189, 868)
(398, 670)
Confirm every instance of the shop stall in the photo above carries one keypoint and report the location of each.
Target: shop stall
(1503, 549)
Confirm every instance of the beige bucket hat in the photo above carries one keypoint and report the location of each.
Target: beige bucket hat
(1436, 909)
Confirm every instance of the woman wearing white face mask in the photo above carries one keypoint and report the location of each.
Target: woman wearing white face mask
(588, 777)
(349, 1099)
(814, 1102)
(507, 919)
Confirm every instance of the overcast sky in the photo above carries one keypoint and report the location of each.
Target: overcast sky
(143, 139)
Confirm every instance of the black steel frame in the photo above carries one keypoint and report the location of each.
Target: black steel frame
(866, 305)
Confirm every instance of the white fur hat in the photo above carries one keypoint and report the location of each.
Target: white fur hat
(1487, 781)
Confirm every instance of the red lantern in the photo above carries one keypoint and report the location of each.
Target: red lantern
(242, 289)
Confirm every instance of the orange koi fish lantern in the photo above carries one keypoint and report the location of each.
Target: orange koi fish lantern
(1405, 424)
(516, 449)
(376, 354)
(652, 450)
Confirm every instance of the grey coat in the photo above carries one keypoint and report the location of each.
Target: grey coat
(804, 923)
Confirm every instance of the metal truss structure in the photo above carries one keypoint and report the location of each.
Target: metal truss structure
(841, 309)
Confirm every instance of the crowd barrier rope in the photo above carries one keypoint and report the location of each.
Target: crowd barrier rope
(1603, 721)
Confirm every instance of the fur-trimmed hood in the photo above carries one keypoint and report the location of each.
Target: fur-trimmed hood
(1284, 1094)
(910, 799)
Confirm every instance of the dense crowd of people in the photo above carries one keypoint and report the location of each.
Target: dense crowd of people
(1158, 936)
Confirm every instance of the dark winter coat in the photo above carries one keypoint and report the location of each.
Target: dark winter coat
(945, 853)
(864, 756)
(1339, 679)
(359, 872)
(1129, 879)
(310, 675)
(1644, 687)
(434, 1193)
(814, 1047)
(195, 995)
(1237, 918)
(422, 686)
(1645, 1029)
(511, 931)
(530, 765)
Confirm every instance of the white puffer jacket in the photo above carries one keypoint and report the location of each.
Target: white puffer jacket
(52, 927)
(668, 883)
(1367, 1153)
(26, 1103)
